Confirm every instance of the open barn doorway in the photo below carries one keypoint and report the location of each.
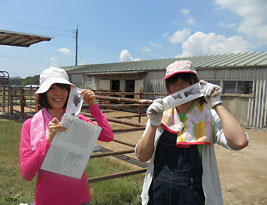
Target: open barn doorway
(115, 87)
(129, 87)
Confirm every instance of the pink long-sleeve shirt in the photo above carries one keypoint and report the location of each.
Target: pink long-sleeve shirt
(52, 188)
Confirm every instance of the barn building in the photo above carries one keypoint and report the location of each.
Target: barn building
(243, 77)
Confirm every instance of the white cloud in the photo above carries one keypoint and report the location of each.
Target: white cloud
(152, 45)
(179, 36)
(155, 45)
(185, 11)
(65, 51)
(125, 56)
(53, 61)
(83, 63)
(146, 50)
(223, 25)
(165, 35)
(253, 17)
(211, 44)
(190, 21)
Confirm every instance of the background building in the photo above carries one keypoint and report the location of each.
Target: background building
(242, 76)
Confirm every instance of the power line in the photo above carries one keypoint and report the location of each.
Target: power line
(36, 27)
(80, 54)
(28, 61)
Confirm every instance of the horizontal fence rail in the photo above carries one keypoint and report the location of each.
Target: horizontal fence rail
(23, 102)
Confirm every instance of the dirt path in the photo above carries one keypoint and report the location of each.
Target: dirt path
(243, 173)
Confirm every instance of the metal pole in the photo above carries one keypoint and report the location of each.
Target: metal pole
(76, 53)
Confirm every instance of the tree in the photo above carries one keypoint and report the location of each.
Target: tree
(15, 81)
(31, 80)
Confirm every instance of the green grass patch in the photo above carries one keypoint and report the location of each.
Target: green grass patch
(12, 186)
(14, 189)
(124, 190)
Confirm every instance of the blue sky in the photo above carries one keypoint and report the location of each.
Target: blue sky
(129, 30)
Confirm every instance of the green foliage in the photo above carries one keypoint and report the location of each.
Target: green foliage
(15, 81)
(15, 190)
(24, 81)
(31, 80)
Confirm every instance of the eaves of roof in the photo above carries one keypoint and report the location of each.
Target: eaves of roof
(234, 60)
(10, 38)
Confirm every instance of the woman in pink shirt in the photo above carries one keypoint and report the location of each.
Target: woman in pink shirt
(38, 132)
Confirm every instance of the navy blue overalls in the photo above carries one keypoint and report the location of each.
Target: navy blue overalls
(177, 174)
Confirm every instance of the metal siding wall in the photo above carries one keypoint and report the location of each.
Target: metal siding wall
(257, 106)
(258, 98)
(263, 105)
(238, 107)
(251, 106)
(76, 79)
(233, 74)
(154, 82)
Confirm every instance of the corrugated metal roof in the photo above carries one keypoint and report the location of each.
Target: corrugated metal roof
(10, 38)
(250, 59)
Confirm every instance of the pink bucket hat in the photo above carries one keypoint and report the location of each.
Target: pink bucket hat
(50, 76)
(179, 67)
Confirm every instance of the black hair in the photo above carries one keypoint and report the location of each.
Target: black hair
(43, 97)
(188, 77)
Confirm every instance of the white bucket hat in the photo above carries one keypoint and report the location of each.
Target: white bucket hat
(179, 67)
(50, 76)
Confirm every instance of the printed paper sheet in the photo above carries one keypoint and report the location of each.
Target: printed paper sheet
(75, 102)
(183, 96)
(71, 149)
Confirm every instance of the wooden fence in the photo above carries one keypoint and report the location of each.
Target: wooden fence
(4, 98)
(23, 102)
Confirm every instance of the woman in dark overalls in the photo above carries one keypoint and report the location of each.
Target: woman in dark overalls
(180, 143)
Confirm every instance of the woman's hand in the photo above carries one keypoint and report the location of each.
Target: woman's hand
(89, 97)
(54, 126)
(212, 93)
(155, 112)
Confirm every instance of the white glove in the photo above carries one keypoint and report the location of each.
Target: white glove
(212, 93)
(155, 112)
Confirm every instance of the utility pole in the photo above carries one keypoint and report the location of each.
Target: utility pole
(76, 53)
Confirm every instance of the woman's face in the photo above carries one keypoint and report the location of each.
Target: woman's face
(57, 97)
(178, 85)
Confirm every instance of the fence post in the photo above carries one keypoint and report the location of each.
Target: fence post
(140, 105)
(3, 97)
(36, 104)
(22, 103)
(11, 100)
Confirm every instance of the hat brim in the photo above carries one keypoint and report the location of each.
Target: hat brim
(46, 85)
(170, 75)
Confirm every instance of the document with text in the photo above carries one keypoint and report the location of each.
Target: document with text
(71, 149)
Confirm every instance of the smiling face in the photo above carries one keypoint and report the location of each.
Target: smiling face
(57, 97)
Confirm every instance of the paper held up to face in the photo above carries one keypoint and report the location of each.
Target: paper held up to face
(183, 96)
(71, 149)
(75, 102)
